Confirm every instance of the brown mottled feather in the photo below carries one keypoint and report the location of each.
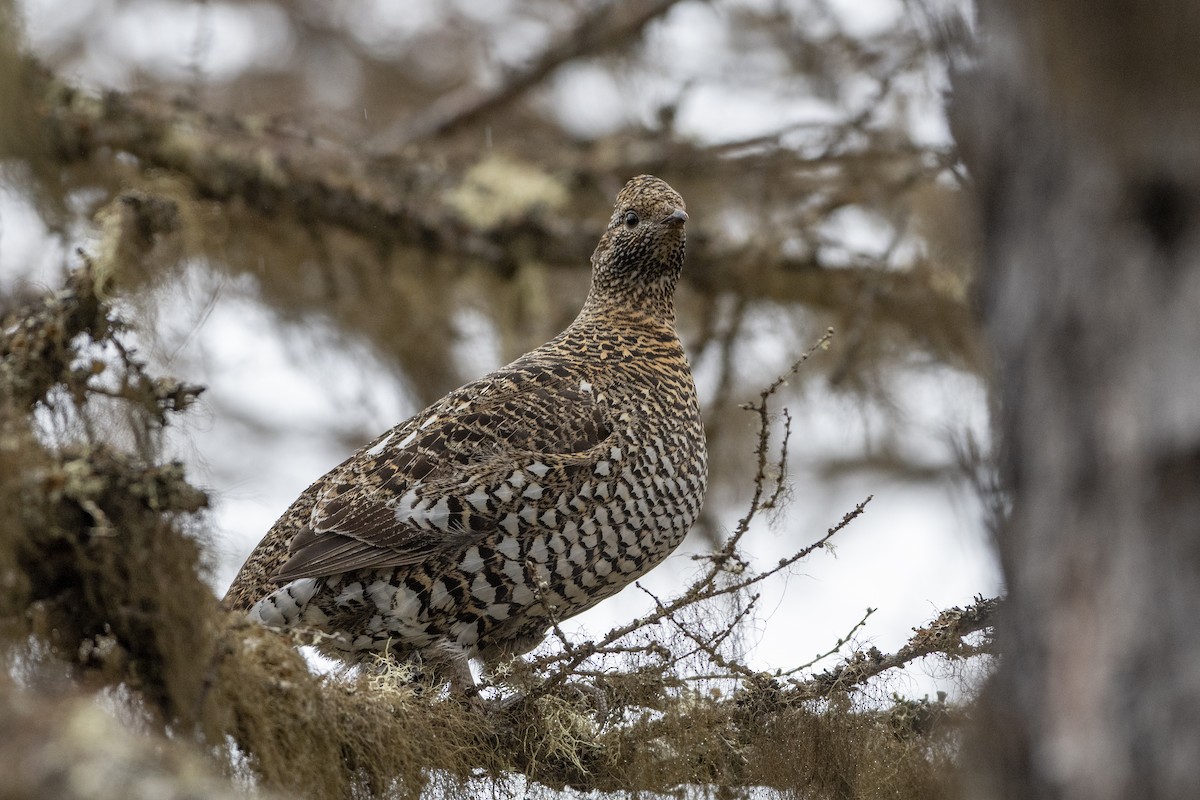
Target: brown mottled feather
(473, 444)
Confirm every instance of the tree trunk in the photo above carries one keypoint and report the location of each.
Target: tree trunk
(1081, 125)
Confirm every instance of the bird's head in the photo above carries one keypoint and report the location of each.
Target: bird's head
(640, 254)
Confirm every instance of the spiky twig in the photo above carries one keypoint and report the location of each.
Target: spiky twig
(944, 636)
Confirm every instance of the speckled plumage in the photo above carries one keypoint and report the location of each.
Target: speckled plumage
(530, 494)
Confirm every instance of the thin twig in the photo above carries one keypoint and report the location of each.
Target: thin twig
(605, 27)
(761, 450)
(831, 651)
(944, 635)
(781, 463)
(784, 563)
(708, 645)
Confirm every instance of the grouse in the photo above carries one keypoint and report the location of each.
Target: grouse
(517, 500)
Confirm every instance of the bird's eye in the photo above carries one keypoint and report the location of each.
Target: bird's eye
(631, 219)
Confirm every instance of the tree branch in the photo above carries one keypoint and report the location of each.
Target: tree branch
(610, 25)
(393, 201)
(944, 635)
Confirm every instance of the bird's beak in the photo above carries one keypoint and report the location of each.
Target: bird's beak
(676, 218)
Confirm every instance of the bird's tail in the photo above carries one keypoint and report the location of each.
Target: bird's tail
(288, 606)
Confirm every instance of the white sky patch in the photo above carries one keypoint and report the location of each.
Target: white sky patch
(476, 346)
(691, 39)
(219, 40)
(519, 38)
(491, 11)
(588, 101)
(852, 232)
(285, 402)
(48, 22)
(694, 63)
(925, 116)
(27, 251)
(864, 18)
(383, 24)
(715, 113)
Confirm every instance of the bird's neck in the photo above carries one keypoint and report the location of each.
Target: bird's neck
(639, 305)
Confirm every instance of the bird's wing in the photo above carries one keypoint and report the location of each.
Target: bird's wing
(430, 485)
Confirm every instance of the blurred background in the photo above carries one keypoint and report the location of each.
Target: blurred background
(372, 202)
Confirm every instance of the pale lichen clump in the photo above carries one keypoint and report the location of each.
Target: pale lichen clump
(500, 190)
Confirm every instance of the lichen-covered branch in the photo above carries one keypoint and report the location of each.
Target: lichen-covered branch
(944, 636)
(105, 573)
(281, 175)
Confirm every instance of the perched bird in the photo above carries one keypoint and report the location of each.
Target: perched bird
(517, 500)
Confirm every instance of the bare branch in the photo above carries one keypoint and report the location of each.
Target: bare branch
(610, 25)
(836, 647)
(944, 635)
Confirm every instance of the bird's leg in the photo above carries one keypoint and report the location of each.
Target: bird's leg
(452, 662)
(593, 693)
